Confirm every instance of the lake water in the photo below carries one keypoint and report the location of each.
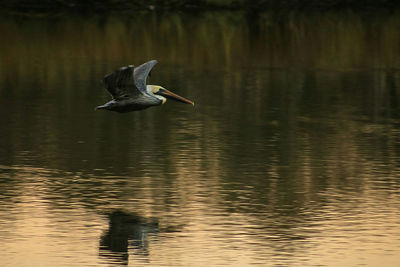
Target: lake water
(291, 156)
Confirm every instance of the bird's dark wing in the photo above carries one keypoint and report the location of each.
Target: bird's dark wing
(121, 82)
(140, 74)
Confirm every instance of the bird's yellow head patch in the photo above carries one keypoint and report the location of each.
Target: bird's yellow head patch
(156, 88)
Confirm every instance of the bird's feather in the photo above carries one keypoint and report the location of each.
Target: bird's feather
(121, 83)
(140, 74)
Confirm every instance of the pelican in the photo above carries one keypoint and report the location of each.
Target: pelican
(129, 91)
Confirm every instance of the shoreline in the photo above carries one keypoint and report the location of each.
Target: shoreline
(85, 7)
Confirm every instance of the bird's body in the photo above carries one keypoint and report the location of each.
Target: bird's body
(128, 88)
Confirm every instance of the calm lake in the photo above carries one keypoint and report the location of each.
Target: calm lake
(290, 157)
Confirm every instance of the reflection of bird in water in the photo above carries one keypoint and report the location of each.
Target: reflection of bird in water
(126, 230)
(130, 92)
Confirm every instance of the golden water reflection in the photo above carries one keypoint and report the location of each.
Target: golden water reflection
(290, 156)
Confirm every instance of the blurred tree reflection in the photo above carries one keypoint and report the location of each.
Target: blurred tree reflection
(274, 91)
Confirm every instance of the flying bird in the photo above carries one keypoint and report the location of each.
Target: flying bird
(129, 91)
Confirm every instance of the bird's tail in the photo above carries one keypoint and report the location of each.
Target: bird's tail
(101, 107)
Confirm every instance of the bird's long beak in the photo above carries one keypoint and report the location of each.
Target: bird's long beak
(168, 94)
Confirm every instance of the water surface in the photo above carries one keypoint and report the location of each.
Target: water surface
(290, 156)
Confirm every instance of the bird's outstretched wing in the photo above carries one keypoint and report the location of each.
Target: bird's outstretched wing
(121, 82)
(140, 74)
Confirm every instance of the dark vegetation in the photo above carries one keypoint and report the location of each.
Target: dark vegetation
(249, 5)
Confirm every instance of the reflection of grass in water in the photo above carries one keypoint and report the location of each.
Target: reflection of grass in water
(54, 49)
(226, 39)
(50, 50)
(62, 52)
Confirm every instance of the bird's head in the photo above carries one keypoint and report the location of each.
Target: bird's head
(162, 94)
